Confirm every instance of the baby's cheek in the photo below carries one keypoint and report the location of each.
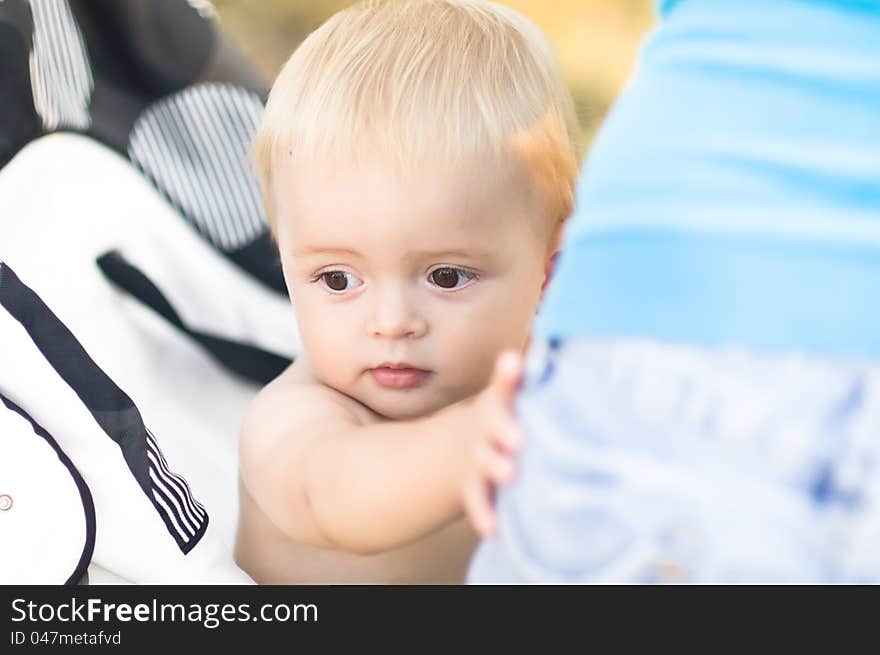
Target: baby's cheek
(475, 366)
(328, 359)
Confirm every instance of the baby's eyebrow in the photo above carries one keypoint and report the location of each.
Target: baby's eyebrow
(471, 253)
(305, 251)
(324, 250)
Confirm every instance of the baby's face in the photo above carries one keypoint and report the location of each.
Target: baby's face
(406, 290)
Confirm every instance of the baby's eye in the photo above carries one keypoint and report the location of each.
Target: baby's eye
(449, 277)
(340, 280)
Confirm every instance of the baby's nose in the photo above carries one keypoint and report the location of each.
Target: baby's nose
(395, 316)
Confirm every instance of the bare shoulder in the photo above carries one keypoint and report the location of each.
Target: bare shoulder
(282, 421)
(290, 411)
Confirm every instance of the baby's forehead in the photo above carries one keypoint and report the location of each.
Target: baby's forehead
(425, 184)
(387, 203)
(374, 212)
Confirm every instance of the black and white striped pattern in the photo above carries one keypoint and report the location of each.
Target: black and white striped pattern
(185, 517)
(61, 74)
(193, 145)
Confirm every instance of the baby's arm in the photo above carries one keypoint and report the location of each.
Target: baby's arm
(328, 480)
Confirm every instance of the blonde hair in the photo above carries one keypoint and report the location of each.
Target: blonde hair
(413, 78)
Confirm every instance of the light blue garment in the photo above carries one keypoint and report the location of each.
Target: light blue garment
(647, 462)
(733, 193)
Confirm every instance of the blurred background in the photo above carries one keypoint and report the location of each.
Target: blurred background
(595, 40)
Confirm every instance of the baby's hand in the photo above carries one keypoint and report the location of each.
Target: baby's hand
(494, 437)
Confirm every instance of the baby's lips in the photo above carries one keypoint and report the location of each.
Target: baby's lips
(399, 378)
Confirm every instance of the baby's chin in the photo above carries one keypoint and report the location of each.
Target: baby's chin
(401, 406)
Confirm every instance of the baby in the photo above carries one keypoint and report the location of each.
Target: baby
(417, 160)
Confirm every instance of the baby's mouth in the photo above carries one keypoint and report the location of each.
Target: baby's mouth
(399, 376)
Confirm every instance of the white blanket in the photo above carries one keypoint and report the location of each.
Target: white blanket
(64, 200)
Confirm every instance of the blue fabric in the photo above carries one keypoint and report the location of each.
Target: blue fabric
(733, 193)
(647, 462)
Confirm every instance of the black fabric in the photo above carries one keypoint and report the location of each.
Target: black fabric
(260, 257)
(80, 571)
(111, 407)
(123, 106)
(19, 122)
(151, 47)
(247, 360)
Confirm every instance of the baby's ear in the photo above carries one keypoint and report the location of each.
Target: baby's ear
(549, 266)
(553, 250)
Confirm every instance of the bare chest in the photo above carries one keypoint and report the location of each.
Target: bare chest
(269, 557)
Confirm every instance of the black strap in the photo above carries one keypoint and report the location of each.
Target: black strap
(110, 406)
(80, 572)
(247, 360)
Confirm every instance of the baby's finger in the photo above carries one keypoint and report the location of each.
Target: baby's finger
(506, 433)
(507, 376)
(478, 507)
(501, 469)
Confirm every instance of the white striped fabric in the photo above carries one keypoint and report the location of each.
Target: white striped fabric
(204, 7)
(183, 514)
(61, 74)
(193, 145)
